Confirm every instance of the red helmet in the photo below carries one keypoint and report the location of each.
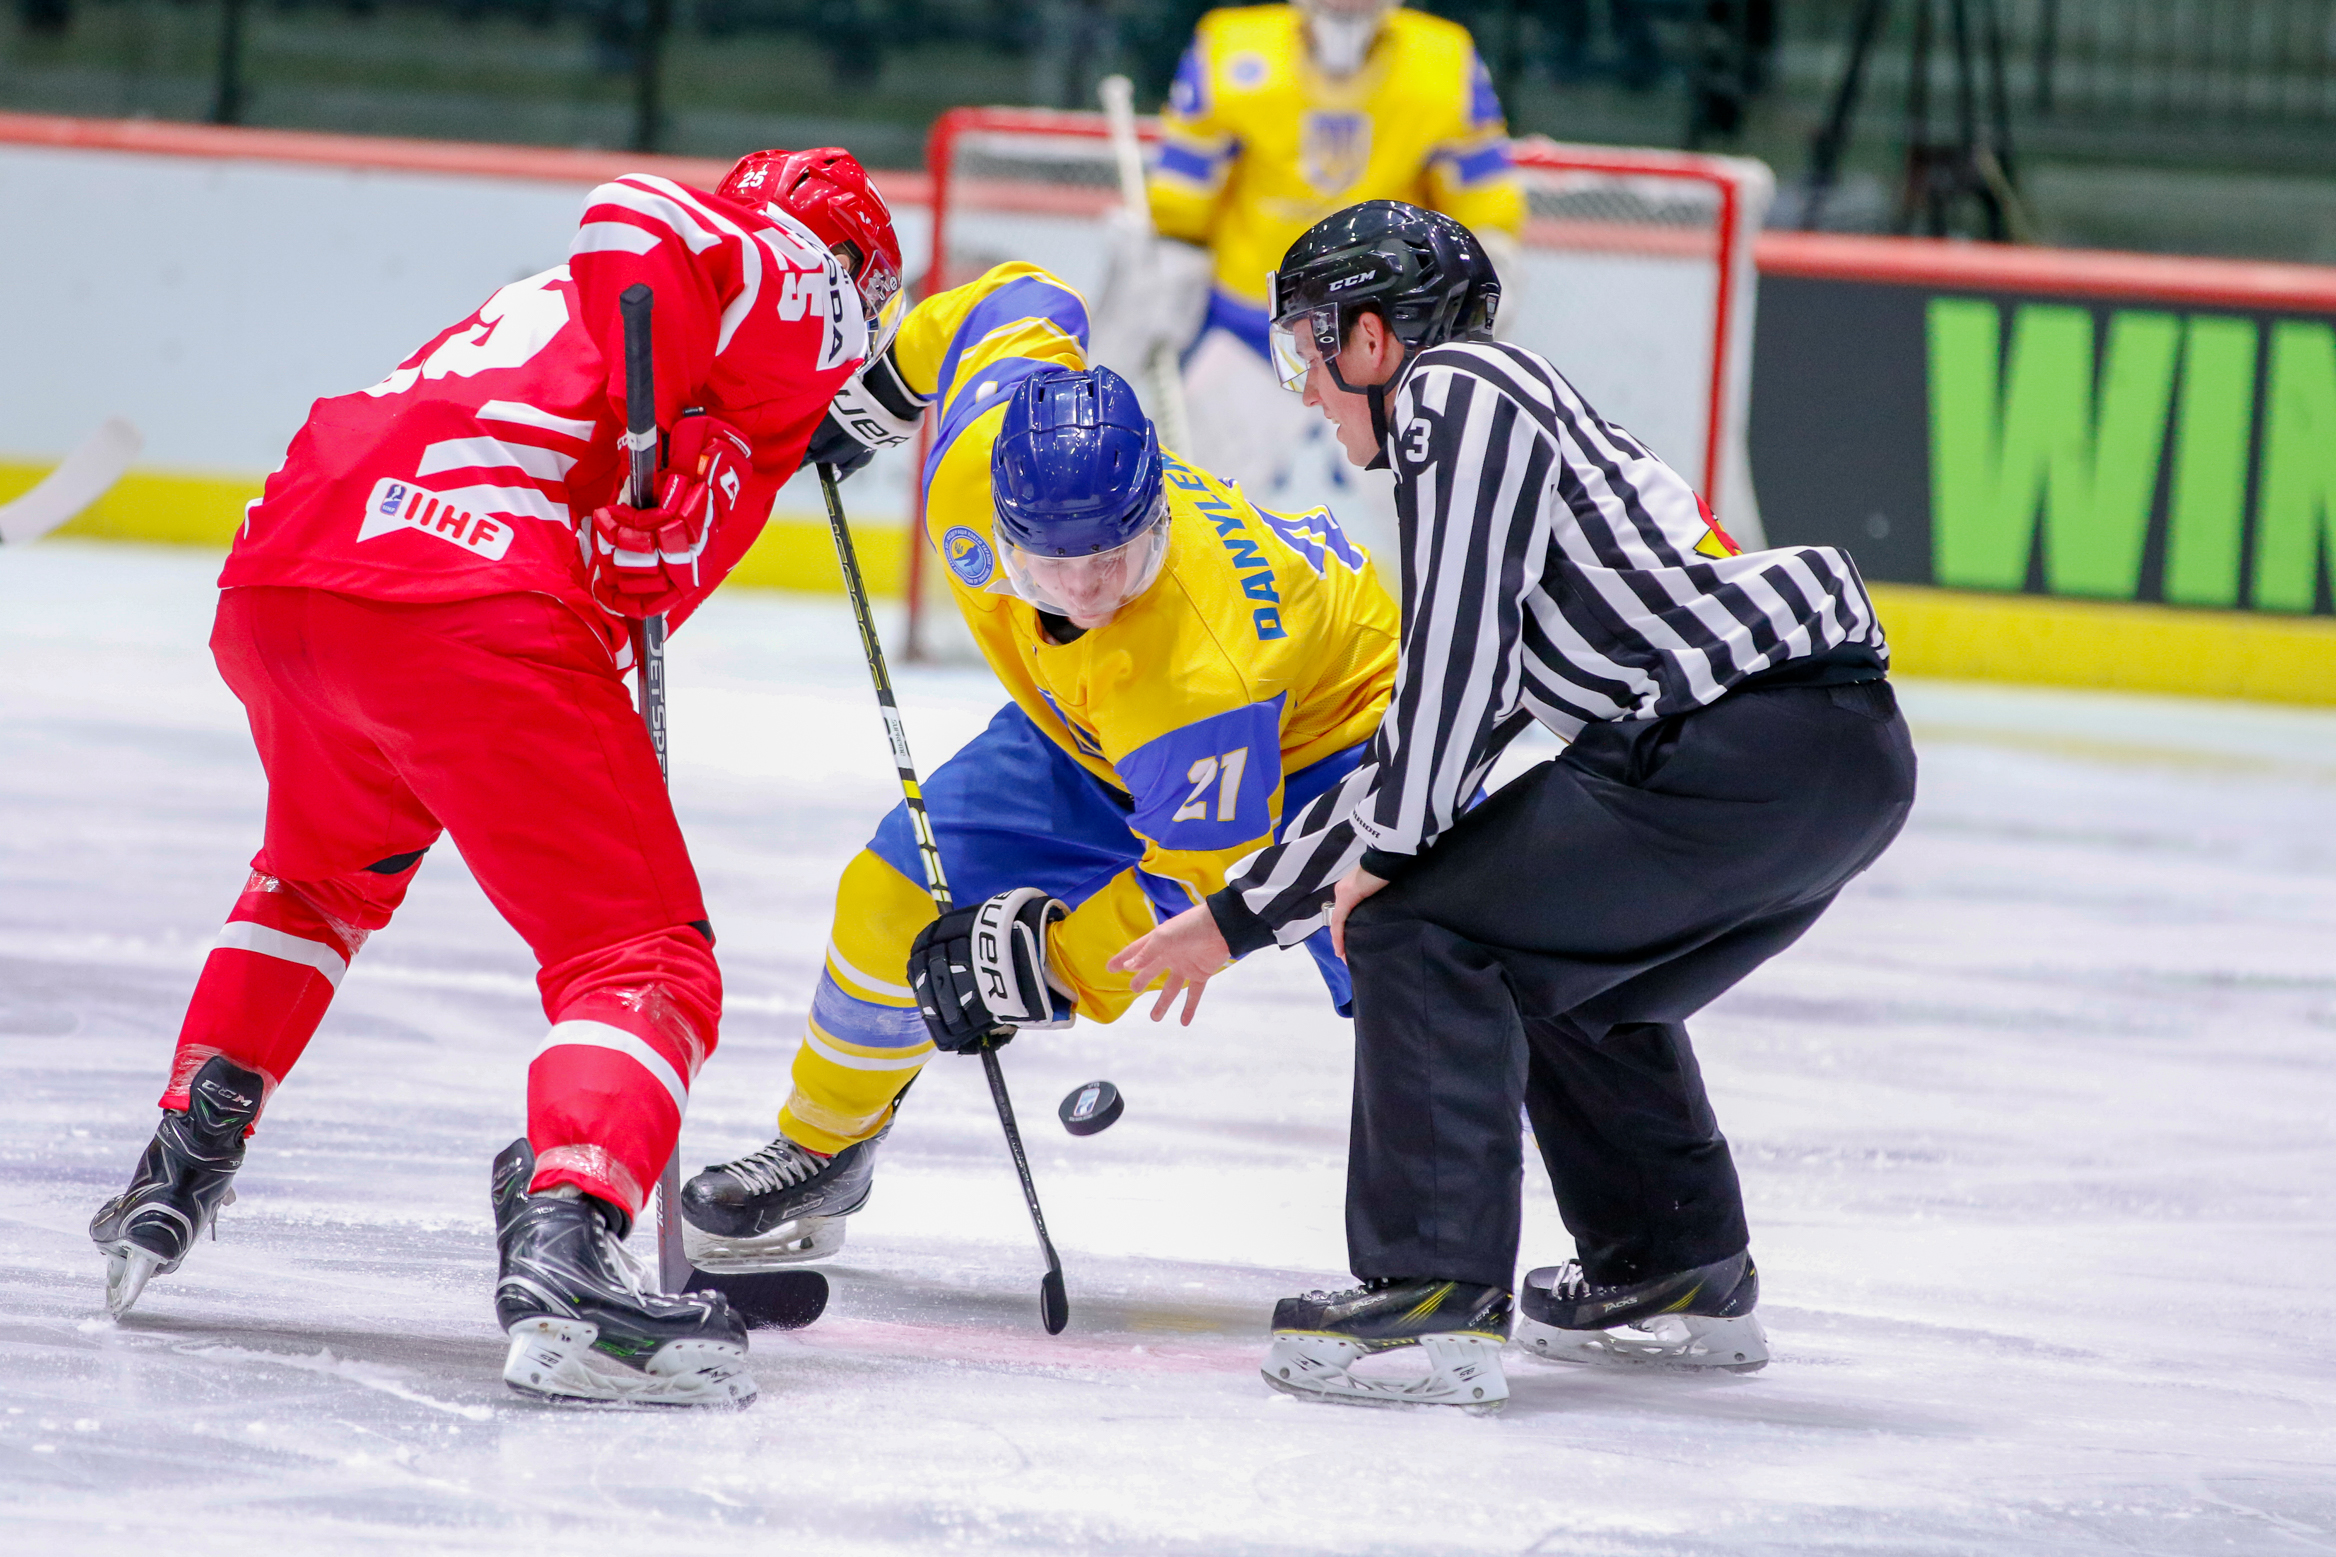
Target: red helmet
(828, 191)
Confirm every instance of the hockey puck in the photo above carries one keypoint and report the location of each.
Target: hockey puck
(1092, 1108)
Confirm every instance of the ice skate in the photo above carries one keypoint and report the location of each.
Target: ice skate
(1459, 1326)
(181, 1181)
(1693, 1319)
(584, 1322)
(776, 1206)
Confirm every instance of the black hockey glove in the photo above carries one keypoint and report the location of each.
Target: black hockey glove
(980, 972)
(875, 409)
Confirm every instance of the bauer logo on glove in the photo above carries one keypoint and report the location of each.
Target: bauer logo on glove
(644, 561)
(981, 972)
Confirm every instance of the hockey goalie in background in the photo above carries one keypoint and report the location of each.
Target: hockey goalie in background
(1280, 115)
(1184, 671)
(426, 618)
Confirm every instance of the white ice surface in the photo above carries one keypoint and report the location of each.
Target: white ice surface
(2035, 1130)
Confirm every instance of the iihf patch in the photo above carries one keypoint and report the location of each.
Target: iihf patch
(968, 556)
(400, 505)
(1246, 70)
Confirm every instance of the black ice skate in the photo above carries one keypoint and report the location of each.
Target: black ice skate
(775, 1206)
(1700, 1318)
(1459, 1326)
(583, 1321)
(181, 1182)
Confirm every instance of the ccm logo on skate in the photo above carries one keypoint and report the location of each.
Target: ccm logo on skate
(400, 505)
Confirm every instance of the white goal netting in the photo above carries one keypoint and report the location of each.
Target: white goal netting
(1638, 279)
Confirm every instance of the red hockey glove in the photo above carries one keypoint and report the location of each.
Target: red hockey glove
(645, 560)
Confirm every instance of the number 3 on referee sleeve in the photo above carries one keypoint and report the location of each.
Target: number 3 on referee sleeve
(1224, 771)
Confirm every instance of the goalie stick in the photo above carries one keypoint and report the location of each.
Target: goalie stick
(1162, 375)
(787, 1299)
(85, 475)
(1054, 1304)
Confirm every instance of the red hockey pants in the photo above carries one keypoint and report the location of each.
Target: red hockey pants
(501, 721)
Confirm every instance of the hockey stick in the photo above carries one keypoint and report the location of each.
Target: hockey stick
(788, 1299)
(1054, 1304)
(1165, 379)
(85, 476)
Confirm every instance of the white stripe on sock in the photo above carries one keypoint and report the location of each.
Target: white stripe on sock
(599, 1035)
(915, 1058)
(243, 935)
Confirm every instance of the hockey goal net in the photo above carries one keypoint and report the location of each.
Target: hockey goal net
(1638, 276)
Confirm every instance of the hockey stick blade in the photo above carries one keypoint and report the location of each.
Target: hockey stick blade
(86, 475)
(766, 1300)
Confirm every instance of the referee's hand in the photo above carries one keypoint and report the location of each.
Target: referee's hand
(1189, 949)
(1357, 885)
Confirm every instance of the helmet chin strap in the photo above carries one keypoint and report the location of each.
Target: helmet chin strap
(1375, 395)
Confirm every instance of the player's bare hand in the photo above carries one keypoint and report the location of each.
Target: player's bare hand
(1189, 949)
(1352, 889)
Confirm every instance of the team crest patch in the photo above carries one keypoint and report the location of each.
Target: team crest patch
(400, 505)
(1334, 149)
(968, 556)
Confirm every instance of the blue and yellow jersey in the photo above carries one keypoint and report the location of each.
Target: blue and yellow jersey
(1266, 646)
(1258, 145)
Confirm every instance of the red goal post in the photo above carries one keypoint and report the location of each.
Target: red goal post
(1638, 277)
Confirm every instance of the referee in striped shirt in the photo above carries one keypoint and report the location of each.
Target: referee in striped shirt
(1734, 757)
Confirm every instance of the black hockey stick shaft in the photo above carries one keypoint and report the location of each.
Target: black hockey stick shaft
(636, 305)
(1054, 1304)
(788, 1299)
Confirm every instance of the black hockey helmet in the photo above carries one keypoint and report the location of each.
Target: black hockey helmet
(1423, 272)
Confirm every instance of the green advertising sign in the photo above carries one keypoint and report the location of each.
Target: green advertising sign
(2071, 431)
(2059, 446)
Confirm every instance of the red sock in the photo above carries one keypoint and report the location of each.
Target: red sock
(265, 986)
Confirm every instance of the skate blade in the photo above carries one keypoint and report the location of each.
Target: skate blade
(1684, 1342)
(1463, 1371)
(790, 1243)
(127, 1270)
(553, 1359)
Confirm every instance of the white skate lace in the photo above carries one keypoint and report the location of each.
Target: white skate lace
(780, 1165)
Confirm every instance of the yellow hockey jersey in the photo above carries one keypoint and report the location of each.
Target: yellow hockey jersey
(1265, 647)
(1258, 145)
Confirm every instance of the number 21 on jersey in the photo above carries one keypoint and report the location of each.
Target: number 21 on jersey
(1224, 773)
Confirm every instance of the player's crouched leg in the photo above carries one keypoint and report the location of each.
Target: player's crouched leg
(789, 1200)
(631, 1025)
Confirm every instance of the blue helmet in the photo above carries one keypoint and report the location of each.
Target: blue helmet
(1076, 468)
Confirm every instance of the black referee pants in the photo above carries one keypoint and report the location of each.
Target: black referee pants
(1548, 951)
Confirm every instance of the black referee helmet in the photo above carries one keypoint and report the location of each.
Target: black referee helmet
(1423, 272)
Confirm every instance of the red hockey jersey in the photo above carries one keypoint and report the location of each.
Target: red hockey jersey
(472, 468)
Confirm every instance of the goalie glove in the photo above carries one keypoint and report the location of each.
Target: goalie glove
(981, 972)
(874, 410)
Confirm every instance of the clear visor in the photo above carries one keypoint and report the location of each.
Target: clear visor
(1298, 343)
(1086, 589)
(886, 324)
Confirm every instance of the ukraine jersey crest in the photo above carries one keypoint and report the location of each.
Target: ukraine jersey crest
(1334, 149)
(1257, 145)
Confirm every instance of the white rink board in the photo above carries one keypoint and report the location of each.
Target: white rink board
(2033, 1129)
(1632, 332)
(213, 301)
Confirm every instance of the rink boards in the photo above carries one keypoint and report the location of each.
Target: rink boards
(209, 283)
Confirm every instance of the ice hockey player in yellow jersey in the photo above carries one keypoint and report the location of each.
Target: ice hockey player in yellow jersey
(1280, 115)
(1185, 670)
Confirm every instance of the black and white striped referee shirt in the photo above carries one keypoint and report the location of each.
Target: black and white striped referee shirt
(1553, 569)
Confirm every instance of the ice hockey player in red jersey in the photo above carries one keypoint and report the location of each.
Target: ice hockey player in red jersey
(426, 617)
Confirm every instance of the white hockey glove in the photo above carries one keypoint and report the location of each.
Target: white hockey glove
(874, 410)
(981, 972)
(1155, 294)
